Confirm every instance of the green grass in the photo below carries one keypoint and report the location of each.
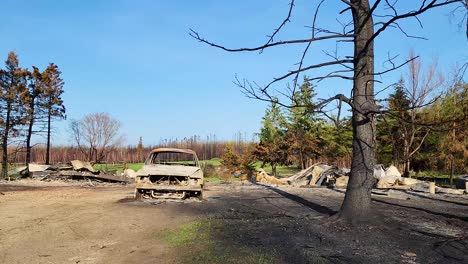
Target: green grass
(238, 255)
(213, 162)
(187, 234)
(283, 171)
(440, 179)
(117, 168)
(195, 242)
(218, 179)
(212, 179)
(432, 174)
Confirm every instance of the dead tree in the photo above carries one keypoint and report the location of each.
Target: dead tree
(367, 20)
(420, 91)
(96, 135)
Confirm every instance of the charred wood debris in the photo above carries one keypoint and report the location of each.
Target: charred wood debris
(74, 170)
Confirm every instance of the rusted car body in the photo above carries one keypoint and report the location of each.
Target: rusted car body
(169, 173)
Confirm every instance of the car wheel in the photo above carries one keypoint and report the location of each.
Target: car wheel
(138, 195)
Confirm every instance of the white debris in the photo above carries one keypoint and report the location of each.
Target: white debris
(129, 173)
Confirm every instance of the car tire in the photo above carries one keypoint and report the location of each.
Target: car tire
(138, 195)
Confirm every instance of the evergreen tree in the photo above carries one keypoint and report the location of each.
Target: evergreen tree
(453, 144)
(140, 149)
(335, 140)
(12, 104)
(273, 147)
(302, 126)
(52, 99)
(34, 111)
(391, 127)
(230, 158)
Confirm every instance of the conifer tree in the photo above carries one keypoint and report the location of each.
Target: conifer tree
(52, 100)
(273, 147)
(12, 109)
(303, 124)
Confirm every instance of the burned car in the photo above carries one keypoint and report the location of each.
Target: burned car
(169, 173)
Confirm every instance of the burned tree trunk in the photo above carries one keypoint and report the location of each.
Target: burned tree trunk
(357, 200)
(32, 118)
(47, 159)
(29, 134)
(5, 142)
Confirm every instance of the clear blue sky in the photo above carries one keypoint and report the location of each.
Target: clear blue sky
(136, 61)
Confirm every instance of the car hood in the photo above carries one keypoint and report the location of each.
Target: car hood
(173, 170)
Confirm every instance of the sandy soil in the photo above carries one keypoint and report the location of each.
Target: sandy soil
(79, 223)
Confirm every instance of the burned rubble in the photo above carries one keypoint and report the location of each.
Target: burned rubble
(74, 170)
(321, 174)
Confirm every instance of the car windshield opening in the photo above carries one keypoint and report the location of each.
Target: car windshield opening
(172, 158)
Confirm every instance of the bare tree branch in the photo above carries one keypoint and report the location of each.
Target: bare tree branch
(196, 36)
(307, 47)
(286, 20)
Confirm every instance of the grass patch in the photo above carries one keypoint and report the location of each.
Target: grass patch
(213, 162)
(238, 255)
(187, 234)
(195, 242)
(219, 179)
(283, 171)
(212, 179)
(118, 167)
(433, 174)
(440, 179)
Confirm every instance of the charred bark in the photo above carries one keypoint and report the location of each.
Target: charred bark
(49, 117)
(32, 109)
(357, 202)
(5, 142)
(29, 135)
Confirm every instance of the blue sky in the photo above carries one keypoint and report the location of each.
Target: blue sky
(136, 61)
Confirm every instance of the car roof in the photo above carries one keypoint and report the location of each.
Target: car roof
(188, 151)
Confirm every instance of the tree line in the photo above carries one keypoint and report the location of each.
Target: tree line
(419, 131)
(424, 127)
(207, 148)
(299, 136)
(350, 57)
(30, 99)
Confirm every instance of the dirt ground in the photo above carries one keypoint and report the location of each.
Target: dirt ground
(249, 223)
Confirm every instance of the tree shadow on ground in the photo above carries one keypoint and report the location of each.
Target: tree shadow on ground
(262, 224)
(395, 203)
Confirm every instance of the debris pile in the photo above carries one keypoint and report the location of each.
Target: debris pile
(129, 173)
(423, 186)
(316, 175)
(263, 177)
(319, 174)
(76, 170)
(22, 171)
(386, 178)
(391, 178)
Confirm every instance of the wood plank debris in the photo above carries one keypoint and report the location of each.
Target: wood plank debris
(76, 170)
